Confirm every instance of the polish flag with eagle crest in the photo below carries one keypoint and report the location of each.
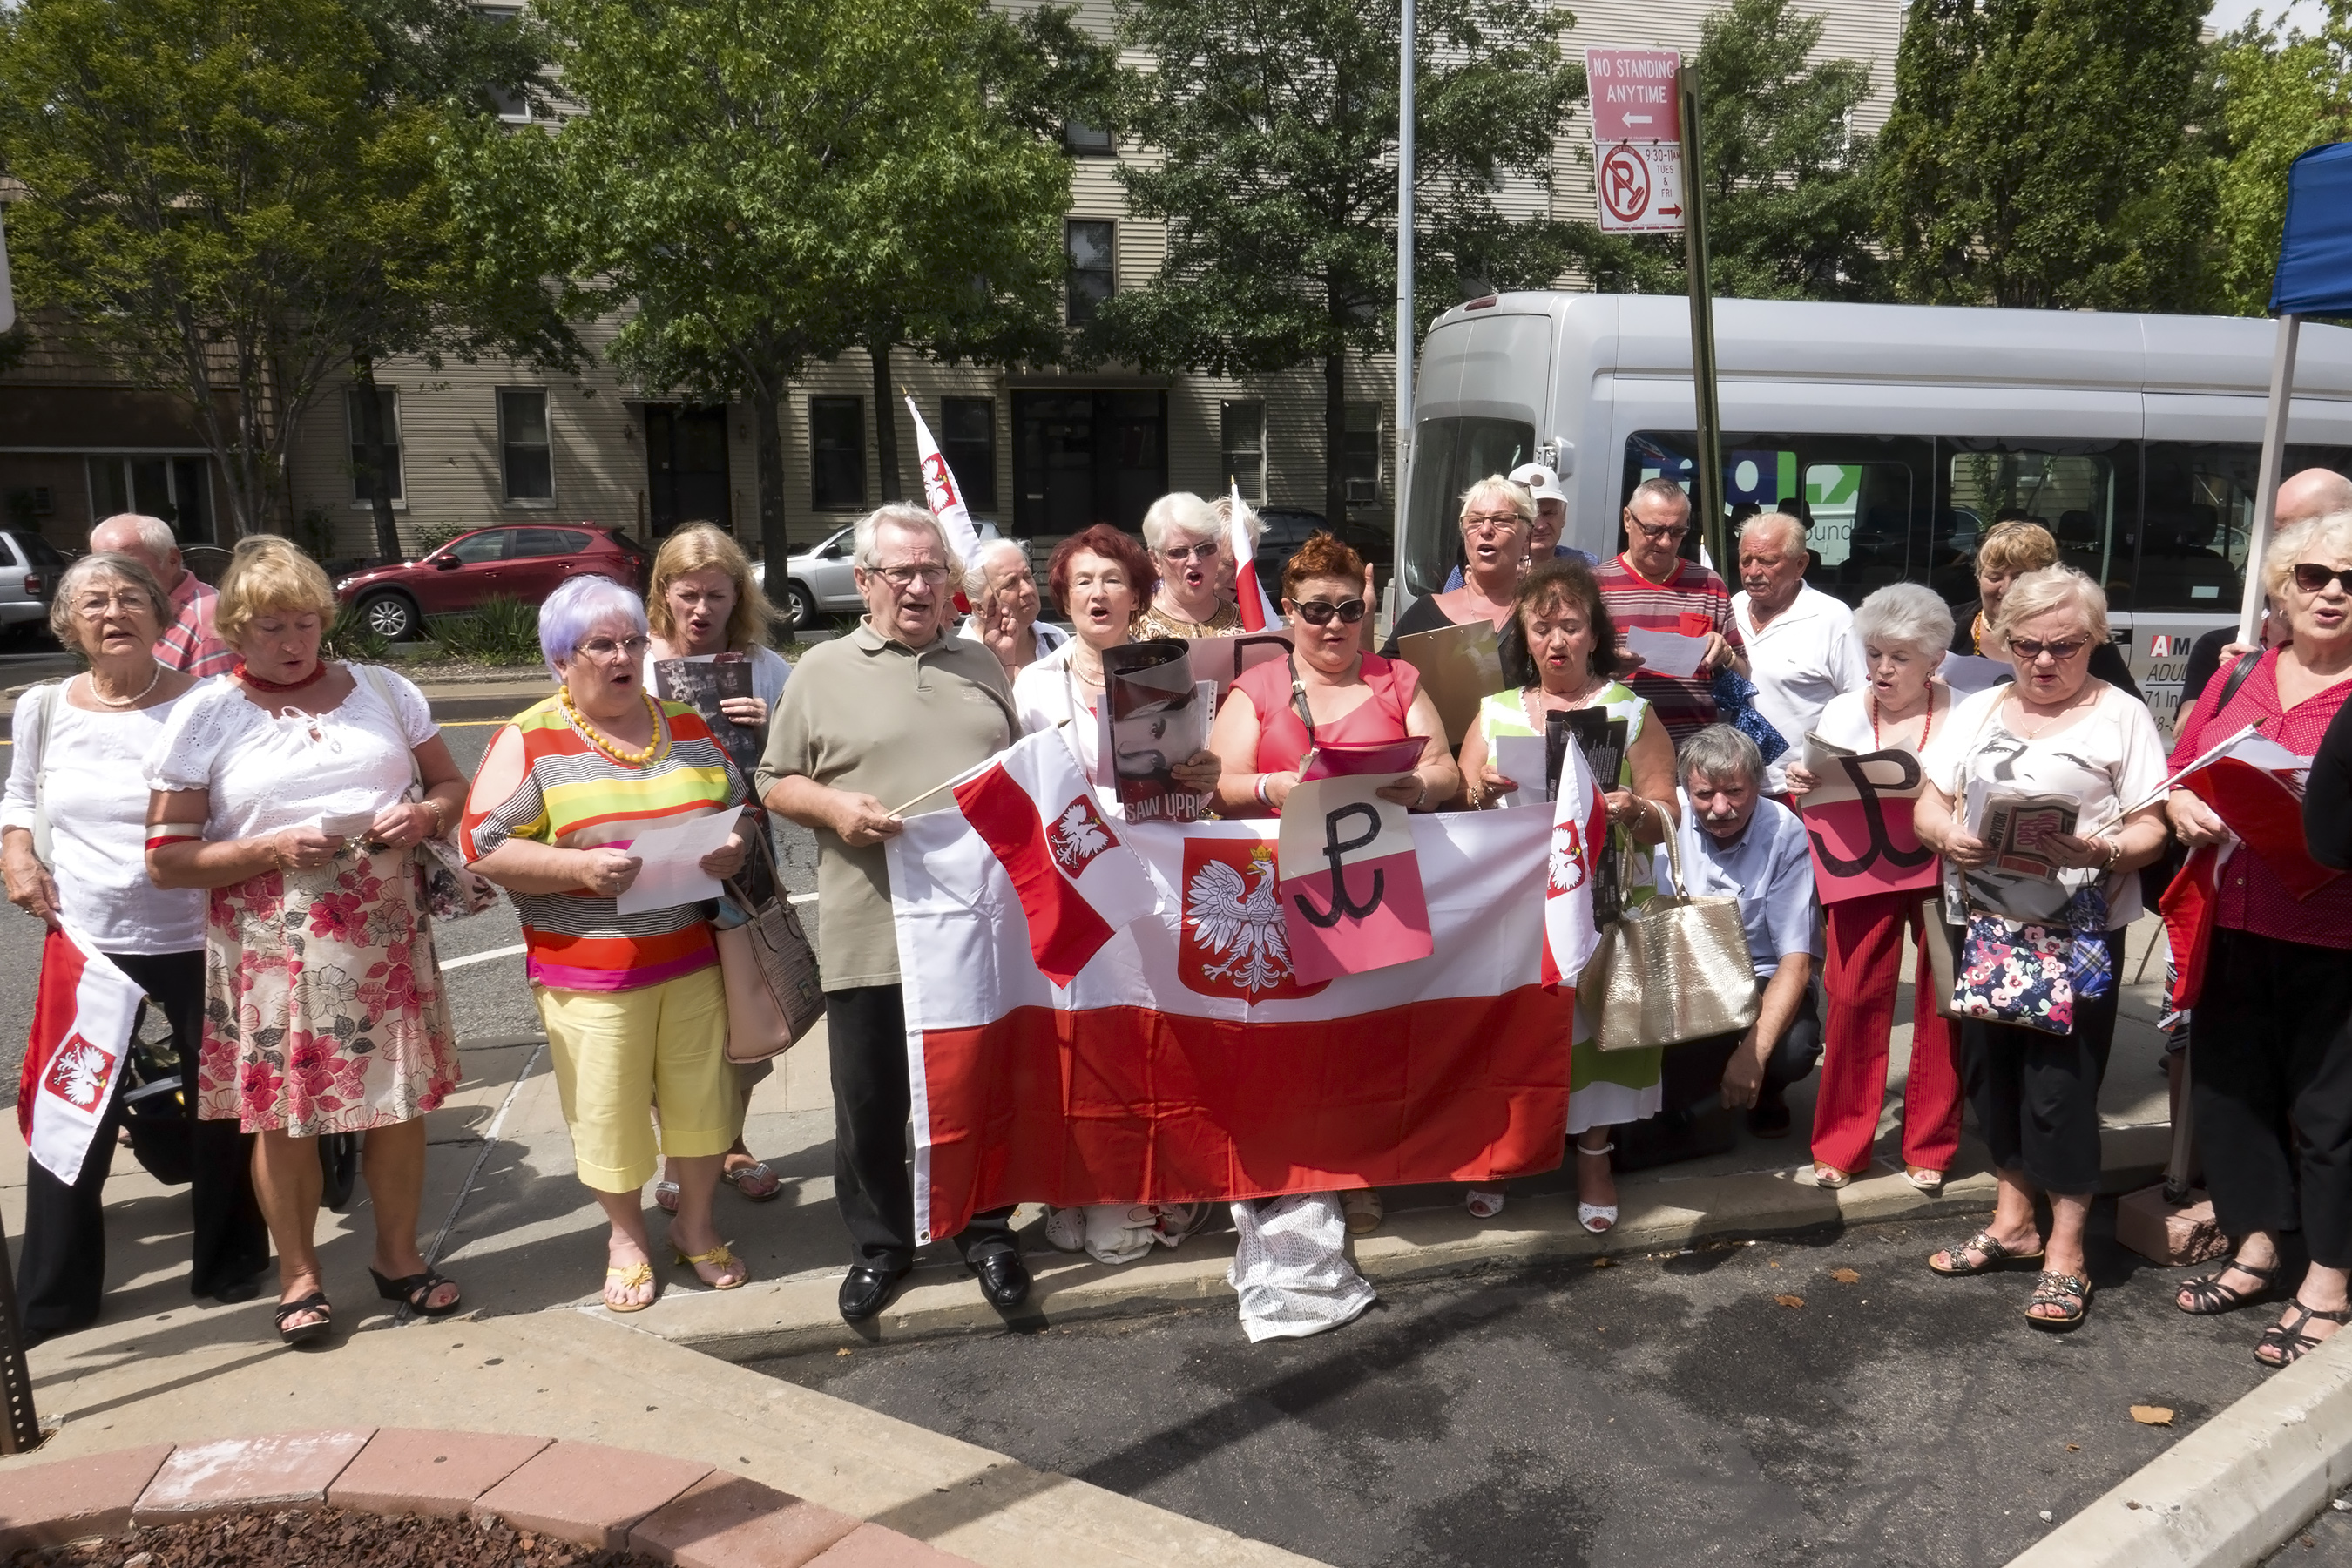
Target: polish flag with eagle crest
(1184, 1060)
(82, 1018)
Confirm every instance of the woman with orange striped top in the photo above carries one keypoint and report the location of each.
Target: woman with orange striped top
(632, 1003)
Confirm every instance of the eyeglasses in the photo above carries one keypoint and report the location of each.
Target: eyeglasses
(1492, 523)
(1201, 551)
(2313, 579)
(99, 604)
(2060, 652)
(1319, 612)
(605, 647)
(905, 577)
(1671, 530)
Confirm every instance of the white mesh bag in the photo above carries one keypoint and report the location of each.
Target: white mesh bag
(1291, 1269)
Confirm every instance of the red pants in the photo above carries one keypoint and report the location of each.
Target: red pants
(1865, 955)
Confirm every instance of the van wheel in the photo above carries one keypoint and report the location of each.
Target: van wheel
(800, 607)
(389, 616)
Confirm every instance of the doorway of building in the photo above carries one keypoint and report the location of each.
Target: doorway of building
(1087, 456)
(686, 467)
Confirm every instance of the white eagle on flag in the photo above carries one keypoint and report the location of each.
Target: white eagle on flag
(1241, 924)
(1077, 835)
(80, 1073)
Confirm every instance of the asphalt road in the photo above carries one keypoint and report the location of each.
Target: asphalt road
(1663, 1411)
(481, 957)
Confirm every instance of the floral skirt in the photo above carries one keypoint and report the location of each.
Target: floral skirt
(323, 1007)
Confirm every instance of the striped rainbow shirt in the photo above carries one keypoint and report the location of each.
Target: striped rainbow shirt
(542, 780)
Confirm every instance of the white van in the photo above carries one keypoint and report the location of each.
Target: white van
(1903, 431)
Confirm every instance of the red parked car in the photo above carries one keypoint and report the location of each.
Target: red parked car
(523, 561)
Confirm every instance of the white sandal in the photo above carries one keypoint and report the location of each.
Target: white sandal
(1483, 1204)
(1598, 1218)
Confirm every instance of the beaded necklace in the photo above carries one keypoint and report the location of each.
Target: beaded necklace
(595, 737)
(1927, 724)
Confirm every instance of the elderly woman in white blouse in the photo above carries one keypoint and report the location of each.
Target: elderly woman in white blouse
(72, 835)
(284, 789)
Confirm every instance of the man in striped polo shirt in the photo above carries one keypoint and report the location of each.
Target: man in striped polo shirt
(1650, 587)
(189, 643)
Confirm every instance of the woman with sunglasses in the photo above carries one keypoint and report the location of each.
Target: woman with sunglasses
(1328, 692)
(2270, 1046)
(1187, 541)
(1552, 653)
(2057, 729)
(1497, 519)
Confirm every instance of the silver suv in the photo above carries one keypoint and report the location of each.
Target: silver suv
(29, 570)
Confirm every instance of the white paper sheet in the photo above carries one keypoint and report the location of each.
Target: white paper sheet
(349, 825)
(1968, 673)
(1521, 758)
(1666, 653)
(671, 874)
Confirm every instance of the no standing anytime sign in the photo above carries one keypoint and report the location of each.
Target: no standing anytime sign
(1637, 162)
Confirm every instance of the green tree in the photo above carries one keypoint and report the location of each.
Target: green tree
(748, 177)
(1788, 184)
(1271, 129)
(2282, 91)
(197, 172)
(2047, 153)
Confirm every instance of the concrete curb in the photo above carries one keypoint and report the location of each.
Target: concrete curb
(1659, 1212)
(2230, 1492)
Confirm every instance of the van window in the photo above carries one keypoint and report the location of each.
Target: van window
(2199, 517)
(1867, 500)
(1448, 456)
(2082, 491)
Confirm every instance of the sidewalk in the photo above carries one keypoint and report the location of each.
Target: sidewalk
(525, 1239)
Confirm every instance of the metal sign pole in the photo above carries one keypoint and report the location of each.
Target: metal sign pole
(22, 1433)
(1708, 501)
(2266, 483)
(1404, 279)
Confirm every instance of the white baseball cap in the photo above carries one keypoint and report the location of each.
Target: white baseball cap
(1540, 481)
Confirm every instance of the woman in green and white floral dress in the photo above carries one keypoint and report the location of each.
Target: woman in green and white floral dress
(1559, 650)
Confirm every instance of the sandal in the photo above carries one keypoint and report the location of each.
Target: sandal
(1364, 1211)
(1830, 1177)
(318, 1328)
(627, 1279)
(1599, 1219)
(666, 1195)
(1996, 1256)
(415, 1292)
(2287, 1341)
(1483, 1205)
(754, 1180)
(2207, 1296)
(1926, 1181)
(717, 1257)
(2071, 1293)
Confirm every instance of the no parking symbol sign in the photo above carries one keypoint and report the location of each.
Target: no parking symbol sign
(1640, 187)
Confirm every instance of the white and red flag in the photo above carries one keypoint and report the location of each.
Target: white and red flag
(941, 493)
(1187, 1060)
(1075, 883)
(1580, 837)
(82, 1018)
(1258, 610)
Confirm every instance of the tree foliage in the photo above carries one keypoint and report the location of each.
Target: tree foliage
(1788, 184)
(2284, 91)
(754, 183)
(2048, 153)
(1270, 130)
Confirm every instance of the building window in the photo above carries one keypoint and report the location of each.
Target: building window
(968, 441)
(513, 107)
(525, 455)
(1088, 243)
(1362, 454)
(388, 399)
(1244, 444)
(176, 488)
(837, 453)
(1088, 141)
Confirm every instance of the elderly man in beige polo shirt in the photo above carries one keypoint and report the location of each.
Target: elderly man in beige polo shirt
(869, 722)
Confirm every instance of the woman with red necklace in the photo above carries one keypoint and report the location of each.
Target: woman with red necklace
(284, 788)
(1903, 629)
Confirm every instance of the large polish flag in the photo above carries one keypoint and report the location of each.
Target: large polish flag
(82, 1018)
(1186, 1061)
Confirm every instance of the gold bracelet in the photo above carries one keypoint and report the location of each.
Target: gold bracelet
(440, 815)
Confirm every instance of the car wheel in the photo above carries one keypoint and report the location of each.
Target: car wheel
(800, 606)
(390, 615)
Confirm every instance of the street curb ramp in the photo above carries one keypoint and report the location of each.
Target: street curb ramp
(2230, 1492)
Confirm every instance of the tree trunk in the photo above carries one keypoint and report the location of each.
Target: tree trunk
(374, 453)
(886, 419)
(773, 546)
(1335, 440)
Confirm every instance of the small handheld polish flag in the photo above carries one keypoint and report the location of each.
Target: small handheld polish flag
(1258, 611)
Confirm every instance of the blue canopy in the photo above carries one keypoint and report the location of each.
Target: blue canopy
(2314, 266)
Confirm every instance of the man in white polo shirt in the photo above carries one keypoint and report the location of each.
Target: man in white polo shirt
(1801, 644)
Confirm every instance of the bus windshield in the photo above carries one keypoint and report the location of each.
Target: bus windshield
(1448, 456)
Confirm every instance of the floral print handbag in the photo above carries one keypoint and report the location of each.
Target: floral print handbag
(2030, 974)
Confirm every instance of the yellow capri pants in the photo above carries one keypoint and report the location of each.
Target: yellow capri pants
(618, 1052)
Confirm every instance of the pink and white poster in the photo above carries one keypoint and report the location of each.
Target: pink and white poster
(1350, 881)
(1859, 819)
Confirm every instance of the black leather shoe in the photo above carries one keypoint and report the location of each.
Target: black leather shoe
(1768, 1119)
(865, 1290)
(1003, 1278)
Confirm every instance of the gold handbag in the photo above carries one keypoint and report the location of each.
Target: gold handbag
(774, 994)
(1674, 969)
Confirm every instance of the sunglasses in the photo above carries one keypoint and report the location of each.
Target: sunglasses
(2029, 650)
(1319, 612)
(2312, 579)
